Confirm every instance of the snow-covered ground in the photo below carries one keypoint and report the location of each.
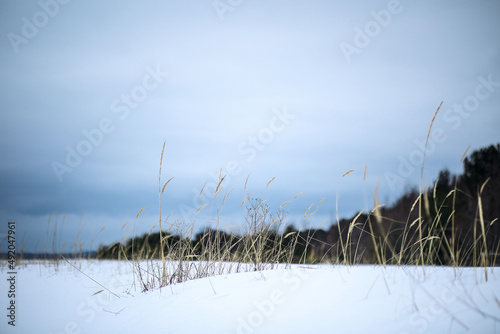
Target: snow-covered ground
(301, 299)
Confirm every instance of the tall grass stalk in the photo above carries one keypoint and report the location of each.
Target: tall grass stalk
(420, 222)
(425, 236)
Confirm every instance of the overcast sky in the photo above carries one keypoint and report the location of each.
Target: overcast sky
(298, 91)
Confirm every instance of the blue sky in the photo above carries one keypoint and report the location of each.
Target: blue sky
(298, 91)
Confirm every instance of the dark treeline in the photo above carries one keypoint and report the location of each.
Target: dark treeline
(452, 222)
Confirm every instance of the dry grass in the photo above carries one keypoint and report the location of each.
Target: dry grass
(266, 243)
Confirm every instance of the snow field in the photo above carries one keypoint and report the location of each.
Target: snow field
(301, 299)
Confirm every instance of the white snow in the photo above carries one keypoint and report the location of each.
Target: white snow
(302, 299)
